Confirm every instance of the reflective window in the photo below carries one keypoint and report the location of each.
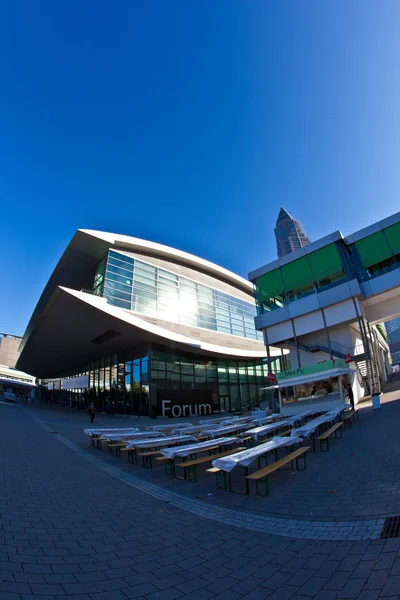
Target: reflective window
(135, 285)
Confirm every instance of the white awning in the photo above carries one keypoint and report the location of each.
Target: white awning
(309, 378)
(17, 382)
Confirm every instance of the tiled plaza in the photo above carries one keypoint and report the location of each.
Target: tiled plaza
(77, 523)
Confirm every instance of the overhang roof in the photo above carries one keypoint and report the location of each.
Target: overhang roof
(77, 327)
(88, 247)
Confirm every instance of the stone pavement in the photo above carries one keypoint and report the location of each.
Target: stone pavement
(75, 523)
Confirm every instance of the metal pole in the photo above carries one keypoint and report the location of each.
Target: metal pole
(327, 334)
(341, 389)
(297, 346)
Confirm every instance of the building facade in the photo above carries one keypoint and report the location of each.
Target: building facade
(9, 349)
(393, 333)
(130, 324)
(289, 233)
(322, 302)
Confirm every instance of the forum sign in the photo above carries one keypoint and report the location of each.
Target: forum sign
(175, 405)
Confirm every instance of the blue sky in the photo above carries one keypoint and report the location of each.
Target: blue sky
(190, 123)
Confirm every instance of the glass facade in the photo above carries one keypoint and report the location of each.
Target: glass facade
(332, 265)
(129, 382)
(141, 287)
(315, 272)
(377, 254)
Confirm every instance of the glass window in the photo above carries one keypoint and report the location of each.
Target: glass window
(269, 289)
(297, 273)
(120, 256)
(325, 261)
(392, 234)
(373, 249)
(327, 267)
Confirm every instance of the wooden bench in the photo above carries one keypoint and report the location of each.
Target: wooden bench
(346, 418)
(285, 432)
(263, 473)
(324, 437)
(132, 458)
(190, 465)
(170, 462)
(147, 457)
(117, 446)
(246, 439)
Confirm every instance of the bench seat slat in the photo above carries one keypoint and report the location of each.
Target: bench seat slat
(329, 431)
(205, 459)
(279, 463)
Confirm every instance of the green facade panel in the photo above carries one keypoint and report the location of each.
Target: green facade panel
(325, 261)
(373, 249)
(296, 273)
(392, 234)
(269, 285)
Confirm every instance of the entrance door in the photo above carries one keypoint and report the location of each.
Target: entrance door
(225, 403)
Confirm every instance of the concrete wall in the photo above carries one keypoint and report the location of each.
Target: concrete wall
(9, 351)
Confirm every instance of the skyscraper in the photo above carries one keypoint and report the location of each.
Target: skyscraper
(289, 233)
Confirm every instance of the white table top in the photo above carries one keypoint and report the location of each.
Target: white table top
(111, 430)
(264, 429)
(234, 420)
(159, 442)
(212, 421)
(133, 436)
(223, 430)
(265, 420)
(199, 447)
(193, 429)
(304, 415)
(245, 458)
(172, 425)
(311, 426)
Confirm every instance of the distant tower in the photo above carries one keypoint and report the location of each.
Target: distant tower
(289, 233)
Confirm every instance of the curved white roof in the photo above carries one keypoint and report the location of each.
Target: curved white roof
(135, 244)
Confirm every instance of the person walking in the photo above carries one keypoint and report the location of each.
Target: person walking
(92, 412)
(350, 395)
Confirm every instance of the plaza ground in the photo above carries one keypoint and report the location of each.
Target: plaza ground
(77, 523)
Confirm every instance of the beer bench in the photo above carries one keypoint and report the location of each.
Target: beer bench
(190, 465)
(351, 414)
(263, 473)
(325, 437)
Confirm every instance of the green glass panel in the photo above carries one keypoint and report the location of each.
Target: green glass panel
(393, 236)
(325, 261)
(269, 285)
(297, 272)
(373, 249)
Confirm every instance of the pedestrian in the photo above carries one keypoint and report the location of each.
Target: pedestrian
(92, 412)
(350, 395)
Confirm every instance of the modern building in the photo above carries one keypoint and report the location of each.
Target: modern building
(138, 327)
(16, 382)
(13, 382)
(322, 303)
(9, 349)
(393, 333)
(289, 233)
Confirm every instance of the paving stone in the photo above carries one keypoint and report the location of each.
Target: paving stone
(391, 587)
(122, 545)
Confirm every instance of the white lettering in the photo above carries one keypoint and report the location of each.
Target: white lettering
(195, 409)
(164, 407)
(205, 407)
(184, 407)
(176, 410)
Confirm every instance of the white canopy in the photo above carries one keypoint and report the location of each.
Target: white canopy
(309, 378)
